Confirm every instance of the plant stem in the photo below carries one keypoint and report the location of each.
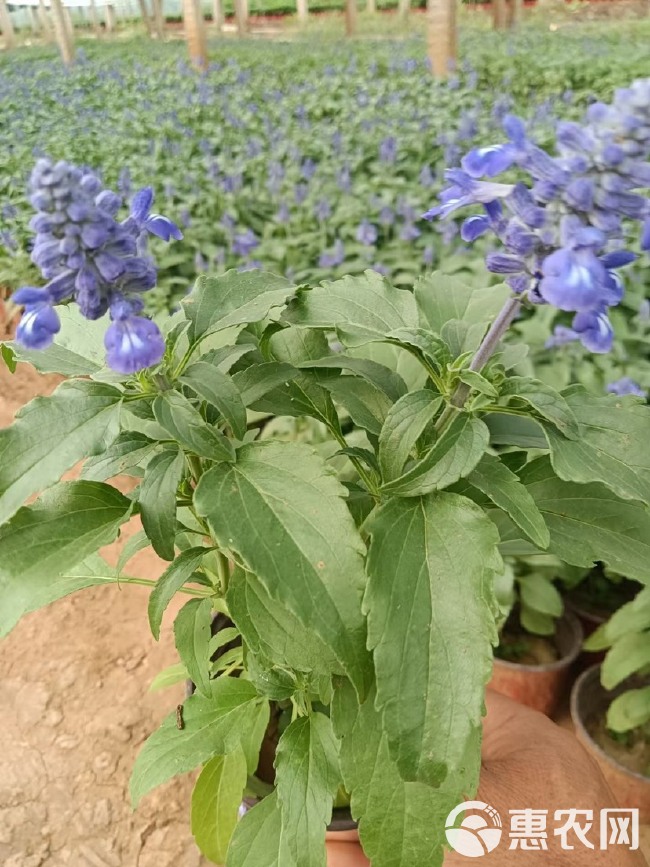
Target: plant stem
(144, 582)
(483, 354)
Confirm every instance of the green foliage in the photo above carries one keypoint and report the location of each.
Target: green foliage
(347, 509)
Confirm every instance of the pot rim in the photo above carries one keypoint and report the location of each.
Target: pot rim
(564, 662)
(589, 674)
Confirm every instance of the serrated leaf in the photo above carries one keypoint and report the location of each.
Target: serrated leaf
(431, 623)
(451, 458)
(234, 298)
(612, 447)
(589, 523)
(361, 309)
(212, 726)
(405, 422)
(378, 375)
(307, 779)
(304, 548)
(192, 639)
(216, 799)
(172, 579)
(630, 654)
(478, 382)
(186, 424)
(630, 710)
(273, 632)
(511, 430)
(367, 405)
(400, 823)
(546, 401)
(441, 298)
(42, 543)
(219, 389)
(128, 450)
(258, 840)
(157, 498)
(50, 435)
(503, 487)
(258, 380)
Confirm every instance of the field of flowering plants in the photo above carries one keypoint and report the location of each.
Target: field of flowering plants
(308, 159)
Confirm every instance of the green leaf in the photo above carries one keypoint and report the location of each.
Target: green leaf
(50, 435)
(405, 422)
(186, 424)
(42, 543)
(157, 500)
(216, 800)
(258, 840)
(630, 710)
(367, 405)
(536, 622)
(612, 447)
(630, 654)
(378, 375)
(234, 298)
(544, 400)
(452, 457)
(133, 544)
(540, 594)
(9, 357)
(127, 452)
(220, 391)
(589, 523)
(503, 487)
(77, 350)
(431, 622)
(478, 382)
(282, 511)
(169, 676)
(634, 616)
(307, 779)
(172, 579)
(274, 633)
(257, 380)
(212, 726)
(510, 430)
(400, 823)
(441, 298)
(192, 639)
(361, 309)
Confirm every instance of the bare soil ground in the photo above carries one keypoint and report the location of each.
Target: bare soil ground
(74, 711)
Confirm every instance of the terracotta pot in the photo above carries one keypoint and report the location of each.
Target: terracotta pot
(589, 700)
(342, 842)
(541, 686)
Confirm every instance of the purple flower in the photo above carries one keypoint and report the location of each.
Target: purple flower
(244, 243)
(573, 279)
(388, 150)
(626, 385)
(133, 343)
(332, 258)
(366, 233)
(594, 330)
(156, 224)
(39, 322)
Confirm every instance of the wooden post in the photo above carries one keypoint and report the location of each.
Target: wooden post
(62, 31)
(371, 6)
(217, 15)
(111, 21)
(516, 12)
(144, 12)
(442, 36)
(303, 10)
(45, 21)
(195, 32)
(350, 17)
(158, 18)
(241, 16)
(6, 25)
(499, 14)
(403, 8)
(94, 20)
(69, 25)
